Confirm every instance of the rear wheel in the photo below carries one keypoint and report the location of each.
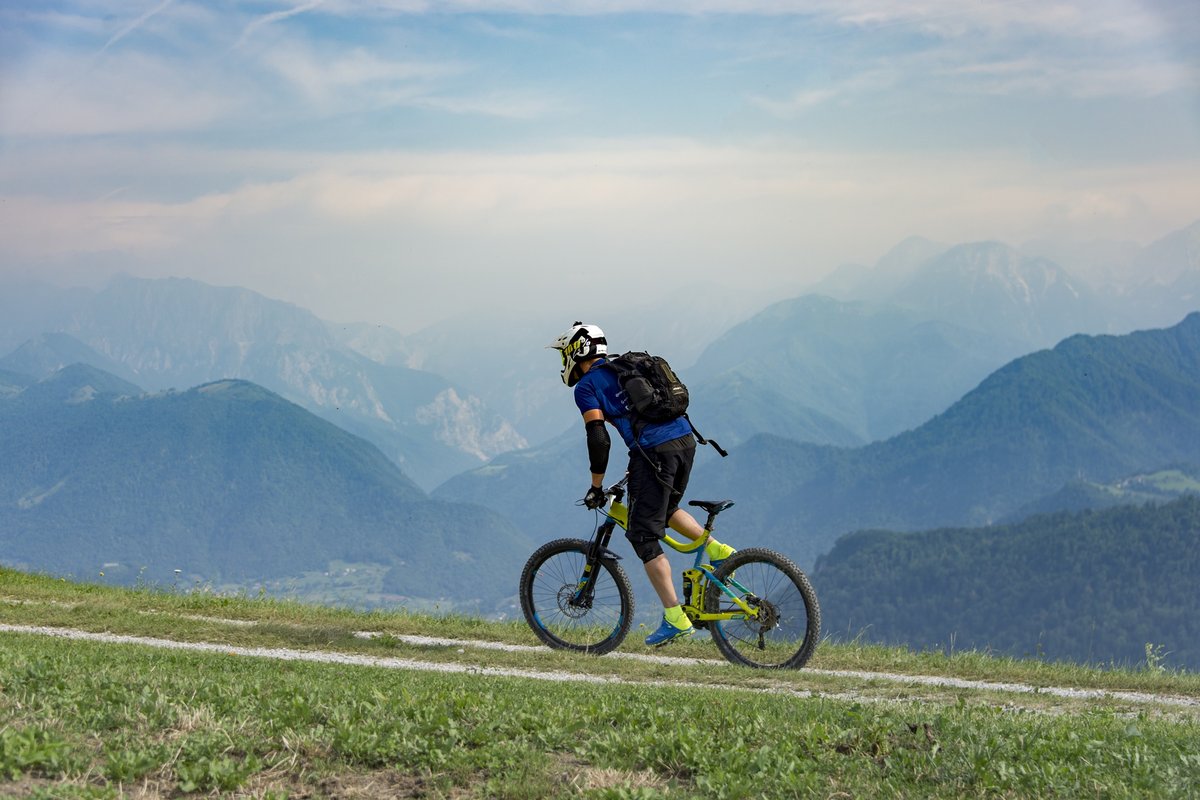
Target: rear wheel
(561, 619)
(785, 631)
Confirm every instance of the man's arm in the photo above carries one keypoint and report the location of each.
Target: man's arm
(598, 444)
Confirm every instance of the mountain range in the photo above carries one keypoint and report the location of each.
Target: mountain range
(1043, 290)
(232, 485)
(179, 333)
(866, 354)
(921, 397)
(505, 360)
(815, 369)
(905, 339)
(1095, 407)
(1141, 285)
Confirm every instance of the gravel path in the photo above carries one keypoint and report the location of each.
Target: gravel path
(325, 657)
(1139, 698)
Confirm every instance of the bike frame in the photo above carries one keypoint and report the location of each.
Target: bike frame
(617, 514)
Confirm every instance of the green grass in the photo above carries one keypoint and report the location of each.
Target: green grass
(195, 616)
(106, 717)
(85, 719)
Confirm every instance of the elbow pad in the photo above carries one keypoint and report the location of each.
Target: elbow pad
(597, 442)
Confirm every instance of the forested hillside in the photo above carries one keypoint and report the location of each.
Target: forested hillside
(1095, 407)
(1095, 586)
(226, 482)
(1156, 486)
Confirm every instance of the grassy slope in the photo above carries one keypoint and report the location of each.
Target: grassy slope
(89, 719)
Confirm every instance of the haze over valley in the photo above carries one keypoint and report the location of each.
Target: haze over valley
(277, 280)
(218, 458)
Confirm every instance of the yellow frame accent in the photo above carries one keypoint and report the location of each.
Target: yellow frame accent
(619, 512)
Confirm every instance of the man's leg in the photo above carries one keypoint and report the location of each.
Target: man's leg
(675, 623)
(683, 522)
(649, 502)
(659, 572)
(651, 481)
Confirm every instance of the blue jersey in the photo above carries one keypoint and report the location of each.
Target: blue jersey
(600, 388)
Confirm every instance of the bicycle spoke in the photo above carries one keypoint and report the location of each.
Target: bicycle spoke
(783, 632)
(556, 611)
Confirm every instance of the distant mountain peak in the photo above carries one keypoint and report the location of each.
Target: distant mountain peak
(79, 383)
(994, 288)
(47, 353)
(858, 282)
(910, 254)
(1171, 259)
(240, 389)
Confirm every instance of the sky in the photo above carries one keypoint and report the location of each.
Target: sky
(405, 161)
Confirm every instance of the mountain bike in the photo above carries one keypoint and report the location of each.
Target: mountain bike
(758, 606)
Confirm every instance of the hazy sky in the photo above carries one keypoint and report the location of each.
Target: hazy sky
(399, 161)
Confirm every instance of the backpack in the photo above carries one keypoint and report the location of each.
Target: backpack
(655, 392)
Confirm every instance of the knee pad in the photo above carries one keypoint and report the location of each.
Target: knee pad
(647, 549)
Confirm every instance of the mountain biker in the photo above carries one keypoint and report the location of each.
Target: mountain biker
(660, 462)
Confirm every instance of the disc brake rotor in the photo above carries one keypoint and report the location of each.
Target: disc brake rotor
(565, 595)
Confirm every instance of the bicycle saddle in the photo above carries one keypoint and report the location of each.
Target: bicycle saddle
(713, 507)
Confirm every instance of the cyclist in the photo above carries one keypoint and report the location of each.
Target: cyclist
(660, 462)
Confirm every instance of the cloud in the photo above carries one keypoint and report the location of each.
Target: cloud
(1033, 52)
(413, 236)
(359, 80)
(126, 93)
(869, 81)
(1087, 19)
(275, 164)
(1083, 78)
(134, 25)
(275, 16)
(509, 104)
(683, 186)
(352, 76)
(797, 103)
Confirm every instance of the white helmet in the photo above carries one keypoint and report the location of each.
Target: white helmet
(577, 345)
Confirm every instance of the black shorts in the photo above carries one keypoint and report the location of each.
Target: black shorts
(658, 477)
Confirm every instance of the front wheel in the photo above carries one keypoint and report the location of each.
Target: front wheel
(788, 623)
(556, 612)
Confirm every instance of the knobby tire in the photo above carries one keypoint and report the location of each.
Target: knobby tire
(788, 634)
(547, 582)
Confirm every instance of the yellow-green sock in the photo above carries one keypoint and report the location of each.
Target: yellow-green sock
(717, 551)
(676, 617)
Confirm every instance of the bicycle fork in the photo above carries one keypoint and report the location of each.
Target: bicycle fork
(586, 586)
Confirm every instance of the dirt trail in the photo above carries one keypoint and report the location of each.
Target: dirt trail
(1135, 698)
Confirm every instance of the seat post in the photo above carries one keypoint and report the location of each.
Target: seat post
(713, 507)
